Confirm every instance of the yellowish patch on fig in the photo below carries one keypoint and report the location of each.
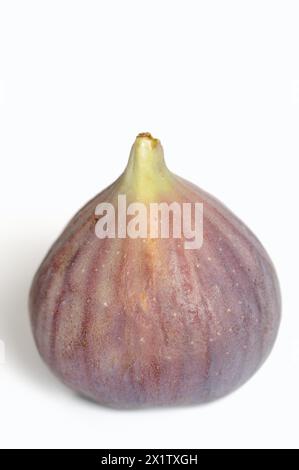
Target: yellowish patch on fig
(144, 300)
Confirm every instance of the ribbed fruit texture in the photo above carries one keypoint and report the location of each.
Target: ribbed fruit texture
(141, 322)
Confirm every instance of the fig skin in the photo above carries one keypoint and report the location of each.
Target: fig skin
(145, 322)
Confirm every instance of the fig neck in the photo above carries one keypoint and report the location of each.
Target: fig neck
(146, 172)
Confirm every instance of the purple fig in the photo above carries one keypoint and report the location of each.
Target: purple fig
(142, 321)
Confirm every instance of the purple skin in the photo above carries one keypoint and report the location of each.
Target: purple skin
(135, 323)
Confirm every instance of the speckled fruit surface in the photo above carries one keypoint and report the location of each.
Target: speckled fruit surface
(142, 322)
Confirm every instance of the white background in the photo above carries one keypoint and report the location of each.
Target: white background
(218, 83)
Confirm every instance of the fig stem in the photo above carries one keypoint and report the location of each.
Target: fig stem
(146, 172)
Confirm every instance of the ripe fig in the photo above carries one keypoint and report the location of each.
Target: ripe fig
(140, 320)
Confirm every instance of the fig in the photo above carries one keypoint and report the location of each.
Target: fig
(131, 318)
